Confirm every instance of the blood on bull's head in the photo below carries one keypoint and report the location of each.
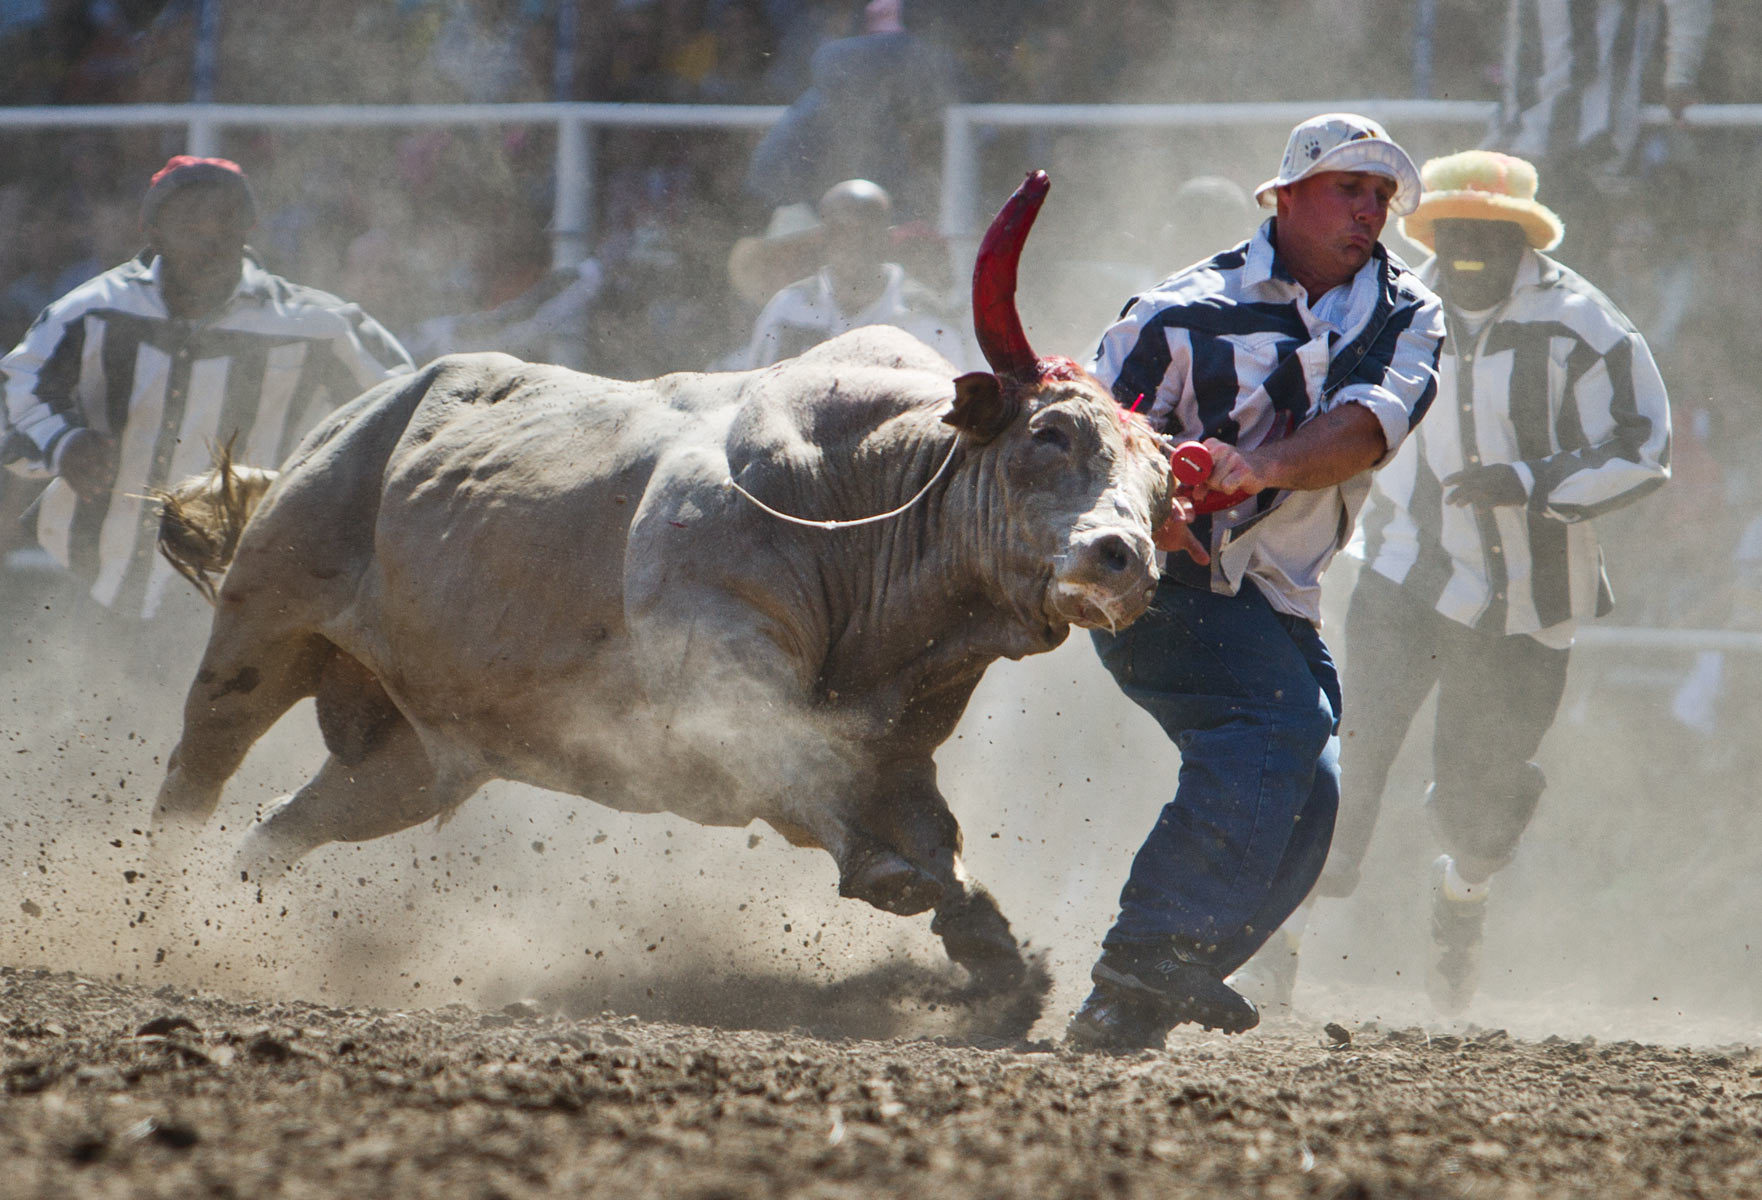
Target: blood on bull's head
(1083, 482)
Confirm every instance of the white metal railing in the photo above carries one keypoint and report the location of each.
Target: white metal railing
(572, 209)
(572, 215)
(575, 122)
(960, 161)
(1636, 637)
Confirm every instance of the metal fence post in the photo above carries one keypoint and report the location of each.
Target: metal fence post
(568, 31)
(1425, 18)
(960, 170)
(205, 64)
(572, 219)
(203, 136)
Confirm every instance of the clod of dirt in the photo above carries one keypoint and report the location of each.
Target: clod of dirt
(174, 1134)
(87, 1148)
(266, 1047)
(168, 1024)
(177, 1136)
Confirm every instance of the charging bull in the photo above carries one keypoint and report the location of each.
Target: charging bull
(766, 595)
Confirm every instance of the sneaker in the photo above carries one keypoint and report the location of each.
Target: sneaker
(1138, 998)
(1270, 977)
(1454, 968)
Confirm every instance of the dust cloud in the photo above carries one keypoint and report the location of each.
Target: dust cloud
(1627, 914)
(1607, 925)
(523, 894)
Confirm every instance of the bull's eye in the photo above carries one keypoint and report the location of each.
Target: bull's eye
(1052, 435)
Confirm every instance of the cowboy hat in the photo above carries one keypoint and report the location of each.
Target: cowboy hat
(789, 249)
(793, 247)
(1482, 185)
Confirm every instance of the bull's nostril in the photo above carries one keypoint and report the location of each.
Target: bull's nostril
(1115, 555)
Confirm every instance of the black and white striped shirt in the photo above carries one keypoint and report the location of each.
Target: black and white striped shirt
(109, 357)
(1231, 348)
(1574, 69)
(1561, 386)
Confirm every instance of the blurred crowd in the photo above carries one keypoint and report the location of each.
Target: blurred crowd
(444, 233)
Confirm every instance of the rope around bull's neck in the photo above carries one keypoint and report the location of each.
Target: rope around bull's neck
(886, 516)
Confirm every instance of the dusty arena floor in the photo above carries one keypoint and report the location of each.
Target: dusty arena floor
(362, 1028)
(114, 1090)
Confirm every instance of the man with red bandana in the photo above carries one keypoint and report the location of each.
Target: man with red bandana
(124, 384)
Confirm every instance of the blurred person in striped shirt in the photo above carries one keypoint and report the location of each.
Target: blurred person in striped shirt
(130, 381)
(1479, 556)
(856, 284)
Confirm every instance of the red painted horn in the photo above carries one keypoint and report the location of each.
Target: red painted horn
(995, 320)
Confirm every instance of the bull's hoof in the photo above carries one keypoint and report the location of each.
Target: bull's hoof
(885, 879)
(267, 852)
(976, 935)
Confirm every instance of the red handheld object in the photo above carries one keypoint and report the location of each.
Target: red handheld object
(1191, 465)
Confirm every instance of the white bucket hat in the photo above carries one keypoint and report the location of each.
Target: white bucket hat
(1345, 142)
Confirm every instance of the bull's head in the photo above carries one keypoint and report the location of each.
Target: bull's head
(1083, 482)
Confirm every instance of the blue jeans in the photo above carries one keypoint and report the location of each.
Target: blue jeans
(1251, 698)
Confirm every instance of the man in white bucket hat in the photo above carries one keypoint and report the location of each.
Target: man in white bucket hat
(1345, 142)
(1478, 549)
(1301, 358)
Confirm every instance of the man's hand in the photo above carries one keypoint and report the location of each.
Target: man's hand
(1325, 450)
(1485, 487)
(1232, 472)
(1175, 536)
(88, 463)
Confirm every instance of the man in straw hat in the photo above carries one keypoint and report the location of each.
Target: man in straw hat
(1302, 357)
(1479, 556)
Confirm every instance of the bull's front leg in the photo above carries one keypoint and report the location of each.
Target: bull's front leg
(730, 692)
(907, 813)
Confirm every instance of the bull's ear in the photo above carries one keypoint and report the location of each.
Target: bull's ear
(983, 406)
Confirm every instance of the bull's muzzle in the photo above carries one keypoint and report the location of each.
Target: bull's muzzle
(1105, 579)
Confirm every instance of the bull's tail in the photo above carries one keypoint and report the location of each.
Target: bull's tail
(201, 519)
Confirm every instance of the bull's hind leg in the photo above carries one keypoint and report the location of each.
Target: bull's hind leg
(242, 688)
(391, 787)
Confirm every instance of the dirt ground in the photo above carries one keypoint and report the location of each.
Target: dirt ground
(115, 1090)
(545, 998)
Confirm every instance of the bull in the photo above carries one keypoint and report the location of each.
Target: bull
(764, 595)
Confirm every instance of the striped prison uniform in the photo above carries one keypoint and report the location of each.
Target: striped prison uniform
(1560, 385)
(108, 356)
(1231, 348)
(1574, 71)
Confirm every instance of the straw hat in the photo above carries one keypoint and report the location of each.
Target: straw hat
(1482, 185)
